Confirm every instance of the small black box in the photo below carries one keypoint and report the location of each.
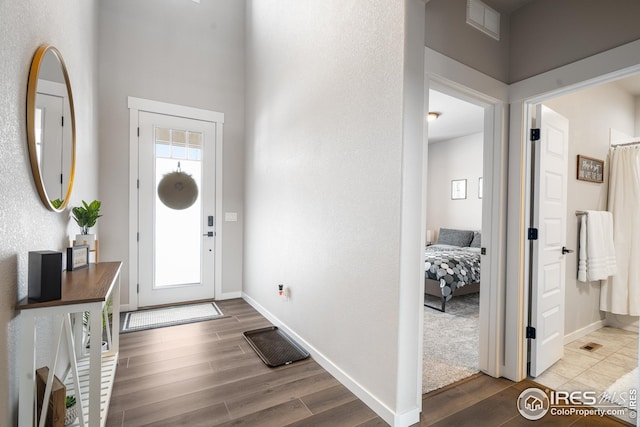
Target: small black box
(45, 275)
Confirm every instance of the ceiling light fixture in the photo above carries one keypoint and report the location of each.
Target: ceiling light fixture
(432, 116)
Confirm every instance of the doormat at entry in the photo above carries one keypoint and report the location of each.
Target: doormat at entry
(274, 347)
(168, 316)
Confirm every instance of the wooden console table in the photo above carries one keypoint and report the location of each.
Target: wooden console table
(83, 290)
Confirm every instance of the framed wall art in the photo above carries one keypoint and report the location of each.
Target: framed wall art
(458, 189)
(590, 169)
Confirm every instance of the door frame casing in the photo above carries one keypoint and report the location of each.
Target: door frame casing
(136, 105)
(602, 68)
(454, 78)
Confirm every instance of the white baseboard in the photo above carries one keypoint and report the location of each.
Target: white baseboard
(396, 420)
(576, 335)
(229, 295)
(622, 321)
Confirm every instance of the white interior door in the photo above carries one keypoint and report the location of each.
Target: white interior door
(176, 247)
(49, 123)
(550, 217)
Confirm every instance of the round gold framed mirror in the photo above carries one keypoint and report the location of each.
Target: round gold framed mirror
(51, 128)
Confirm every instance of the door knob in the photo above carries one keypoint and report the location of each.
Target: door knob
(566, 251)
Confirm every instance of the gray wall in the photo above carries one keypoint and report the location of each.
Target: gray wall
(325, 164)
(182, 53)
(25, 224)
(591, 113)
(448, 33)
(546, 34)
(540, 36)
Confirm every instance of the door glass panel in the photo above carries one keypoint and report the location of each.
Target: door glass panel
(178, 233)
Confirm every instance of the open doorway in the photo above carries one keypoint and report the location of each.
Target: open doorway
(598, 349)
(452, 78)
(453, 240)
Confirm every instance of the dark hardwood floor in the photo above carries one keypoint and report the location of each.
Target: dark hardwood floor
(485, 401)
(205, 374)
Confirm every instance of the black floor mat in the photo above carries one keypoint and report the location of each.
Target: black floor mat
(274, 347)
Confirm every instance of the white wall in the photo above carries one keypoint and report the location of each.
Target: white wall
(459, 158)
(184, 53)
(324, 183)
(591, 113)
(25, 224)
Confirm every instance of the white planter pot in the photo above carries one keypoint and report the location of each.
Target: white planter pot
(71, 415)
(86, 239)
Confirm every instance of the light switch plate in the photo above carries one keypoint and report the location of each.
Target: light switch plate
(230, 216)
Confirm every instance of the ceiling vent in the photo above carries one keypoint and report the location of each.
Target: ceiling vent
(483, 18)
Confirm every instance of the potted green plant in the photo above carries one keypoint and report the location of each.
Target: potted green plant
(72, 410)
(86, 217)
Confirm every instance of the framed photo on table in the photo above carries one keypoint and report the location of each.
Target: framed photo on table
(77, 257)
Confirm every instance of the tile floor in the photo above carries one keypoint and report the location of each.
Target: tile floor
(596, 370)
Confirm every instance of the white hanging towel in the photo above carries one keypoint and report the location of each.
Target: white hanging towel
(597, 254)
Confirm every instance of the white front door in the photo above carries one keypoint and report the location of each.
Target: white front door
(550, 217)
(176, 247)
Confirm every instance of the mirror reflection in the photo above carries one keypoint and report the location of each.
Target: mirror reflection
(51, 128)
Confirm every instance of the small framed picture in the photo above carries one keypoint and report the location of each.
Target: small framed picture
(458, 189)
(77, 257)
(590, 169)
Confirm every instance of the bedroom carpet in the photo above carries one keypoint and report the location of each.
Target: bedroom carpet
(450, 342)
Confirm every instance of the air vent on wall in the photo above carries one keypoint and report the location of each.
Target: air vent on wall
(483, 18)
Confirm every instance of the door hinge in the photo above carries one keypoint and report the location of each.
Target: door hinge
(62, 121)
(138, 288)
(138, 236)
(531, 332)
(61, 179)
(532, 234)
(138, 132)
(137, 183)
(535, 135)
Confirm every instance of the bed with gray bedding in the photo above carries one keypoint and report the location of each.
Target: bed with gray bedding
(452, 266)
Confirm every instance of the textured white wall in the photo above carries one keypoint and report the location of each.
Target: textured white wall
(25, 224)
(459, 158)
(324, 179)
(591, 114)
(183, 53)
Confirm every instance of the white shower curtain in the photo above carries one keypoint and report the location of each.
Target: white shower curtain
(620, 294)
